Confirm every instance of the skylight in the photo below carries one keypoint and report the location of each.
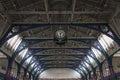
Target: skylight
(96, 52)
(84, 70)
(13, 44)
(106, 42)
(29, 59)
(23, 52)
(12, 41)
(91, 59)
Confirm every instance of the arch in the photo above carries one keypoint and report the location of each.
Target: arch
(40, 73)
(36, 71)
(92, 67)
(42, 49)
(87, 26)
(89, 73)
(94, 46)
(84, 71)
(31, 55)
(94, 26)
(92, 57)
(98, 63)
(28, 66)
(108, 60)
(36, 66)
(81, 41)
(78, 49)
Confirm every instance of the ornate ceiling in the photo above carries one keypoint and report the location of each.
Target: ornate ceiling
(59, 11)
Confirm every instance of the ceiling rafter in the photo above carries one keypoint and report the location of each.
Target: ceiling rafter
(73, 9)
(93, 11)
(46, 9)
(57, 12)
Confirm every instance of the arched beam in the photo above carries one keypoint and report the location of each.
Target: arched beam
(115, 39)
(37, 70)
(89, 72)
(85, 75)
(89, 42)
(39, 49)
(100, 27)
(32, 61)
(83, 65)
(97, 27)
(92, 67)
(85, 41)
(93, 56)
(22, 47)
(84, 71)
(34, 67)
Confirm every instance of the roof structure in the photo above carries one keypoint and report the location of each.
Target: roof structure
(33, 24)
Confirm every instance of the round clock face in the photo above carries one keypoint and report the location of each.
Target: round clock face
(60, 34)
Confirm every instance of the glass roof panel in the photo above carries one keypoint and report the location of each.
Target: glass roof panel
(29, 59)
(16, 44)
(97, 53)
(108, 40)
(92, 60)
(12, 41)
(84, 70)
(24, 52)
(102, 42)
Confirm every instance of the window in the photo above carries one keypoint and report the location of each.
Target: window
(12, 40)
(103, 44)
(106, 42)
(13, 44)
(88, 66)
(29, 59)
(32, 64)
(92, 61)
(34, 70)
(17, 44)
(97, 53)
(81, 72)
(23, 52)
(84, 70)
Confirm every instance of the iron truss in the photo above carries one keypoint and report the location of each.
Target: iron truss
(52, 60)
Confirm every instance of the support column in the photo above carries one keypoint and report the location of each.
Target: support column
(101, 71)
(18, 76)
(89, 76)
(29, 76)
(18, 72)
(9, 68)
(25, 73)
(110, 66)
(101, 75)
(83, 78)
(33, 77)
(95, 77)
(94, 74)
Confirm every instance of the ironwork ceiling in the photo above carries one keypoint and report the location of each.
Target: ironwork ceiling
(48, 53)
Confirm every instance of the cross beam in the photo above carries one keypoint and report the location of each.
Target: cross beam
(38, 49)
(57, 12)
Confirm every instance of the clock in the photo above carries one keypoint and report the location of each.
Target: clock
(60, 37)
(60, 34)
